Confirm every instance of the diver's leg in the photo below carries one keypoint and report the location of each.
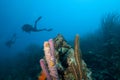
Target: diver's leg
(13, 39)
(44, 29)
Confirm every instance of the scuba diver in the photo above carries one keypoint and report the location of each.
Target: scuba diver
(29, 28)
(10, 42)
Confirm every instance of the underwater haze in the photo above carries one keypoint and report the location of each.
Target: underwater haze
(66, 17)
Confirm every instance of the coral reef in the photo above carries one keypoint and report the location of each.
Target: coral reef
(63, 61)
(103, 49)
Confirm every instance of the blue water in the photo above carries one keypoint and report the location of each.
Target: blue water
(67, 17)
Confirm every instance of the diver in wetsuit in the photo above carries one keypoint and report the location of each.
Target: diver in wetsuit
(10, 42)
(29, 28)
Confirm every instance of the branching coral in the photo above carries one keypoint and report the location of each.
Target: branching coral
(78, 57)
(78, 66)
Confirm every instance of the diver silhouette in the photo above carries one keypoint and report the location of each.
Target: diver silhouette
(29, 28)
(10, 42)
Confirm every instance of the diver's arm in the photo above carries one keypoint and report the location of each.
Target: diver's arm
(37, 30)
(35, 24)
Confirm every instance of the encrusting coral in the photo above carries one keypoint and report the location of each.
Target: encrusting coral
(63, 62)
